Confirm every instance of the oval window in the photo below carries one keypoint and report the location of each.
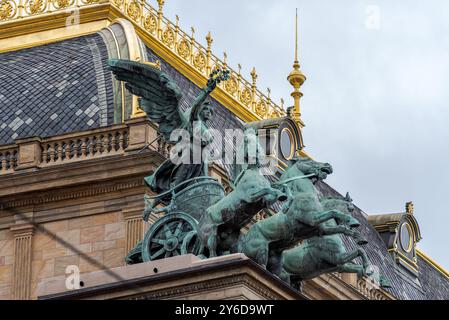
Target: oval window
(286, 144)
(406, 237)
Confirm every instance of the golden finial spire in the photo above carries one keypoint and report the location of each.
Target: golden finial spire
(225, 59)
(296, 36)
(296, 79)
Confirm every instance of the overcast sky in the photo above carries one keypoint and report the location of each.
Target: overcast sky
(376, 97)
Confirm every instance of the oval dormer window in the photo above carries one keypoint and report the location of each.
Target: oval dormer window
(406, 237)
(287, 144)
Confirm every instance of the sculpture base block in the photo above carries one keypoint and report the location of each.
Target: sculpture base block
(182, 277)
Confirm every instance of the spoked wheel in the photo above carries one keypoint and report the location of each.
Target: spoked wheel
(172, 235)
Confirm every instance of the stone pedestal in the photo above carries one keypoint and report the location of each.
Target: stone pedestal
(182, 277)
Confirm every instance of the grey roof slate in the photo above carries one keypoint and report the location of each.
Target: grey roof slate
(435, 285)
(56, 88)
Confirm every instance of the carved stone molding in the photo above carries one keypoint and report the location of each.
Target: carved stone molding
(68, 195)
(207, 286)
(23, 237)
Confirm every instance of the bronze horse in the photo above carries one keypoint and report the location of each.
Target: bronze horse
(302, 217)
(325, 254)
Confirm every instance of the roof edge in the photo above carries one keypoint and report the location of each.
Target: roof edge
(433, 263)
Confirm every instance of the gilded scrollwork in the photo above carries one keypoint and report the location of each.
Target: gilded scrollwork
(262, 108)
(134, 10)
(150, 23)
(168, 37)
(118, 3)
(231, 86)
(184, 49)
(245, 97)
(35, 6)
(61, 4)
(8, 9)
(199, 61)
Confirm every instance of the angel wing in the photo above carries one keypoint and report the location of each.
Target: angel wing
(159, 94)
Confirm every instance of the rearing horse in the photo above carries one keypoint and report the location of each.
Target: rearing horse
(325, 254)
(303, 218)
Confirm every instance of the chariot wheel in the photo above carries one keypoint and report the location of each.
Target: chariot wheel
(172, 235)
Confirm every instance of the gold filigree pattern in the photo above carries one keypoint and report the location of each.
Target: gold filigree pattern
(61, 4)
(150, 23)
(168, 37)
(118, 3)
(134, 10)
(35, 6)
(184, 49)
(199, 61)
(245, 97)
(262, 108)
(231, 86)
(91, 1)
(7, 10)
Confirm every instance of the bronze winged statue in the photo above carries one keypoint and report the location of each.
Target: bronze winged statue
(160, 98)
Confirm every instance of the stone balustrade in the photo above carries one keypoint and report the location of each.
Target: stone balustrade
(8, 158)
(36, 152)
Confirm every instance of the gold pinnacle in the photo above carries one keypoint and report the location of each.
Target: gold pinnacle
(296, 79)
(209, 40)
(254, 75)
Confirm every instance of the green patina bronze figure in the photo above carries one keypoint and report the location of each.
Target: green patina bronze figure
(303, 218)
(160, 98)
(325, 254)
(199, 218)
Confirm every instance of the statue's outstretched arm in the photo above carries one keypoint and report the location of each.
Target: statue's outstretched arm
(215, 78)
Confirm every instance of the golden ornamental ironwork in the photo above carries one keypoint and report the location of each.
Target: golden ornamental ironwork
(150, 23)
(231, 86)
(184, 49)
(262, 108)
(35, 6)
(91, 1)
(199, 61)
(7, 10)
(118, 3)
(134, 10)
(62, 4)
(168, 37)
(245, 97)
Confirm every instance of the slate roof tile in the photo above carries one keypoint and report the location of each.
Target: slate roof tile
(59, 78)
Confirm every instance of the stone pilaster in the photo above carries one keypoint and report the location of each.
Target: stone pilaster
(23, 237)
(141, 133)
(29, 153)
(134, 227)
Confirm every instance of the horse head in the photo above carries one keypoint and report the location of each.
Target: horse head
(341, 204)
(308, 166)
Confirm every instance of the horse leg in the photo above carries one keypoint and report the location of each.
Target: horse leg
(274, 264)
(262, 256)
(285, 276)
(344, 230)
(212, 245)
(343, 258)
(351, 268)
(315, 219)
